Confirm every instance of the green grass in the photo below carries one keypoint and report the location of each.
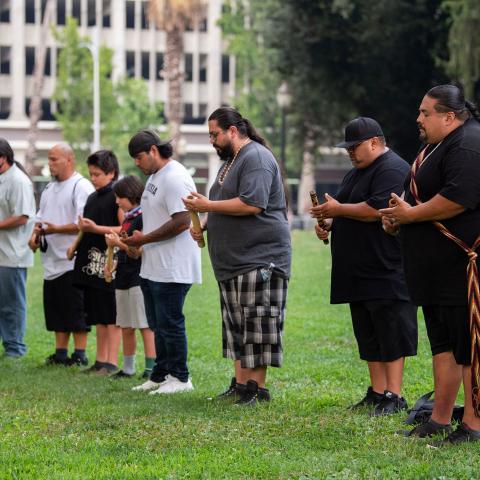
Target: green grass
(57, 423)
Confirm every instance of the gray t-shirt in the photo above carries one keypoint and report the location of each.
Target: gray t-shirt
(239, 244)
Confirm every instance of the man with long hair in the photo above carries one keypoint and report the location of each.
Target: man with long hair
(249, 245)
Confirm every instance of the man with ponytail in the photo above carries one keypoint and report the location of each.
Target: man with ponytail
(170, 259)
(249, 245)
(439, 225)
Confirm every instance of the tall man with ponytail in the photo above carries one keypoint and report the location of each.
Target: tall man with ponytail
(249, 244)
(439, 225)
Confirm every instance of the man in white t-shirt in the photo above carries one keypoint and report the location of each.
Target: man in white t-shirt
(170, 259)
(61, 203)
(17, 209)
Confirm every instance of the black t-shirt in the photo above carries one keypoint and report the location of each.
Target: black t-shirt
(435, 266)
(128, 269)
(91, 253)
(366, 262)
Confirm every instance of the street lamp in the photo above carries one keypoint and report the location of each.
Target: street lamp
(284, 99)
(94, 49)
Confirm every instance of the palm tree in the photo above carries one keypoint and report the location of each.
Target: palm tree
(35, 110)
(173, 16)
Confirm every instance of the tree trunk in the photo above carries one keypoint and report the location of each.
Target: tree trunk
(35, 109)
(173, 73)
(307, 179)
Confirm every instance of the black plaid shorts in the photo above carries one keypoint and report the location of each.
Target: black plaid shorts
(253, 315)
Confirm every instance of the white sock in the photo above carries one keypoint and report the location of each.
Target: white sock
(129, 364)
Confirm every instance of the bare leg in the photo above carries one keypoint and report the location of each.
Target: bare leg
(61, 339)
(102, 343)
(394, 374)
(148, 342)
(447, 375)
(378, 376)
(258, 374)
(239, 373)
(114, 337)
(129, 341)
(80, 340)
(469, 417)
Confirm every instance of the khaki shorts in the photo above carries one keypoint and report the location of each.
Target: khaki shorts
(130, 308)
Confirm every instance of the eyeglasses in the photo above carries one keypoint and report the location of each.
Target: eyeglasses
(353, 147)
(214, 135)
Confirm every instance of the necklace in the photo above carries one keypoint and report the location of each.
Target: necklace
(229, 164)
(425, 158)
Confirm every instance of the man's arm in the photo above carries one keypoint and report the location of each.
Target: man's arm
(13, 222)
(50, 228)
(233, 206)
(357, 211)
(178, 223)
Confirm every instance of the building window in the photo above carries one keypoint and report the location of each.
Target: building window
(4, 11)
(43, 5)
(203, 24)
(29, 11)
(47, 69)
(130, 14)
(46, 109)
(59, 51)
(188, 67)
(225, 69)
(106, 12)
(146, 65)
(145, 18)
(202, 111)
(130, 63)
(4, 107)
(159, 66)
(29, 60)
(91, 13)
(77, 11)
(5, 60)
(187, 112)
(202, 73)
(61, 12)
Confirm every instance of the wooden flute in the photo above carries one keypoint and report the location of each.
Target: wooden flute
(320, 221)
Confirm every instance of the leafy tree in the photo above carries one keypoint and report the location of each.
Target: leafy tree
(125, 106)
(464, 43)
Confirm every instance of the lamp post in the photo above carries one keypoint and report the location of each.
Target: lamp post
(284, 100)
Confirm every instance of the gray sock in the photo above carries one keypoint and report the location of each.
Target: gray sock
(129, 364)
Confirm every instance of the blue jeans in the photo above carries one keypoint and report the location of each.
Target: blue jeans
(13, 312)
(163, 307)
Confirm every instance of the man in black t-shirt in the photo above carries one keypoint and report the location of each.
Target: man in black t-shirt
(444, 186)
(366, 263)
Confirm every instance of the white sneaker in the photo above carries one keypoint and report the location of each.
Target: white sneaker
(173, 385)
(145, 387)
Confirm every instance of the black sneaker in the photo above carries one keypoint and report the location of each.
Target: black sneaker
(462, 434)
(253, 394)
(76, 359)
(121, 374)
(390, 403)
(232, 393)
(427, 429)
(371, 399)
(54, 360)
(94, 368)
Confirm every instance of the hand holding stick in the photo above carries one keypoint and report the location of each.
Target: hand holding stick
(197, 226)
(320, 221)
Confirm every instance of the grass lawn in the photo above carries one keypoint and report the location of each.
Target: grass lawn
(57, 423)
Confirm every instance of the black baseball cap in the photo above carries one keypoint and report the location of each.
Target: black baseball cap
(360, 129)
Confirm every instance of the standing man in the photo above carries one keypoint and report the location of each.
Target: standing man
(367, 266)
(170, 259)
(439, 223)
(249, 246)
(17, 210)
(61, 204)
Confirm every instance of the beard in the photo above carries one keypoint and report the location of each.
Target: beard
(422, 135)
(225, 153)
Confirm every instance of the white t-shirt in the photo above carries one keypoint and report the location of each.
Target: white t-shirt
(61, 203)
(16, 199)
(176, 260)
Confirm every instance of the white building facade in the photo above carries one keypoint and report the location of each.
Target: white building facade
(138, 48)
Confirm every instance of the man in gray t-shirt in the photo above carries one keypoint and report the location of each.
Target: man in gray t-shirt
(249, 245)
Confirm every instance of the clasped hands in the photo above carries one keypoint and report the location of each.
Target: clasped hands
(398, 213)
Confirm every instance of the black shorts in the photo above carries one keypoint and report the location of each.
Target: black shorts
(63, 305)
(100, 306)
(386, 330)
(448, 329)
